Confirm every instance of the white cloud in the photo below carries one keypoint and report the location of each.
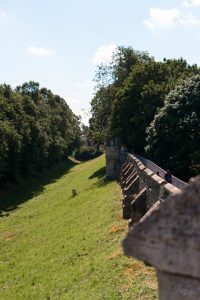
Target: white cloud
(191, 3)
(166, 18)
(3, 14)
(104, 54)
(162, 17)
(40, 51)
(85, 84)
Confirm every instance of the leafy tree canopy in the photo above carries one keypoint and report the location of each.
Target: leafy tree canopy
(129, 92)
(174, 135)
(37, 129)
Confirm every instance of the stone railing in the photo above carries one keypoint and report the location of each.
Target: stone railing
(168, 237)
(155, 168)
(164, 227)
(141, 189)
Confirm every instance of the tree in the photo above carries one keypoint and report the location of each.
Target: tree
(174, 135)
(141, 95)
(101, 112)
(37, 130)
(109, 79)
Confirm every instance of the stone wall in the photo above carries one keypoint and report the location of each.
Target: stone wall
(168, 237)
(164, 224)
(141, 189)
(164, 228)
(113, 157)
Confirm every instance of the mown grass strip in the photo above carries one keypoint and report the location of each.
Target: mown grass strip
(54, 246)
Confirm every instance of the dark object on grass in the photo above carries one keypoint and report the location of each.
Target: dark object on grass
(74, 193)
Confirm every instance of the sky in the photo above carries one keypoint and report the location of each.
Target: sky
(60, 43)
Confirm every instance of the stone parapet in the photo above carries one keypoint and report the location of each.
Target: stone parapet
(134, 178)
(164, 225)
(168, 237)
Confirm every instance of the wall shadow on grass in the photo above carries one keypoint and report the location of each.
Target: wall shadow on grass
(14, 195)
(99, 173)
(101, 176)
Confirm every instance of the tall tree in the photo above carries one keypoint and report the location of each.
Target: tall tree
(141, 95)
(109, 79)
(174, 135)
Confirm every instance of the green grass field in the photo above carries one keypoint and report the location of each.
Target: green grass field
(54, 246)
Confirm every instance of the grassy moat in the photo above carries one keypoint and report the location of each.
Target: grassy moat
(54, 246)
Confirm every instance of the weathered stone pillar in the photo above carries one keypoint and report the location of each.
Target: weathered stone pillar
(113, 149)
(168, 237)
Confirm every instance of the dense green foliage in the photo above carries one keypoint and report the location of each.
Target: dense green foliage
(109, 80)
(138, 100)
(87, 152)
(129, 93)
(59, 247)
(37, 129)
(174, 135)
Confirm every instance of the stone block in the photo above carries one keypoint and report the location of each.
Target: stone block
(149, 211)
(138, 206)
(128, 171)
(169, 190)
(123, 171)
(131, 177)
(113, 151)
(176, 287)
(155, 189)
(126, 207)
(133, 188)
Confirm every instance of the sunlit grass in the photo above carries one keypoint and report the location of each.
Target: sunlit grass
(54, 246)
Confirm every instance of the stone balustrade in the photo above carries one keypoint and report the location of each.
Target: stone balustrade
(164, 227)
(141, 189)
(168, 237)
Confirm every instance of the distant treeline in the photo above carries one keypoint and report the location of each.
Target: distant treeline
(152, 106)
(37, 130)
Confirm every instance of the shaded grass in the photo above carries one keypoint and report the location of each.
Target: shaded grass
(28, 188)
(59, 247)
(99, 173)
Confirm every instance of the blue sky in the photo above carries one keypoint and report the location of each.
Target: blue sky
(59, 43)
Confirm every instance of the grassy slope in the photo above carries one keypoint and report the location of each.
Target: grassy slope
(57, 247)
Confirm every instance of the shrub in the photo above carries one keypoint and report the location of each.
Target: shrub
(86, 153)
